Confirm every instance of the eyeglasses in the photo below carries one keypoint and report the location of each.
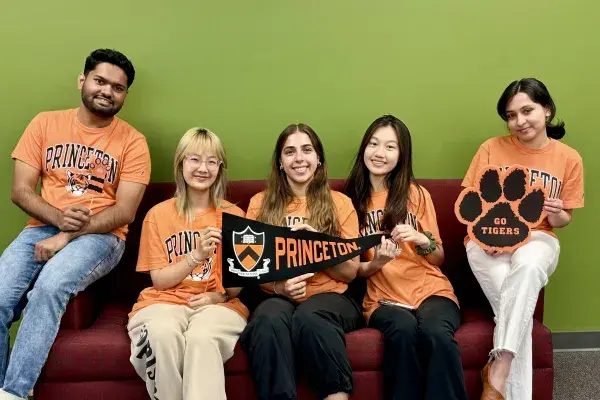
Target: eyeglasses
(212, 164)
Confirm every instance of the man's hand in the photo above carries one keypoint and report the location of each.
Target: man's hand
(204, 299)
(74, 218)
(47, 248)
(129, 196)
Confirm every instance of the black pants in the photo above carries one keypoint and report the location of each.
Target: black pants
(421, 358)
(282, 337)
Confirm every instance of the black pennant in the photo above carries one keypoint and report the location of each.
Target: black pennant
(255, 253)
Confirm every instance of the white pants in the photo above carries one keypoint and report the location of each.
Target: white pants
(512, 283)
(179, 352)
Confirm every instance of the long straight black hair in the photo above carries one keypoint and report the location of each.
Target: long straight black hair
(398, 181)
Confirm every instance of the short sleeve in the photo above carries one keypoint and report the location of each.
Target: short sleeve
(572, 192)
(29, 147)
(151, 254)
(136, 161)
(480, 160)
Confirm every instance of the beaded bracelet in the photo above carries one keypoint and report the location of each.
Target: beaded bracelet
(189, 262)
(194, 259)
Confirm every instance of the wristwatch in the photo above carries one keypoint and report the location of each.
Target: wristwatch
(432, 245)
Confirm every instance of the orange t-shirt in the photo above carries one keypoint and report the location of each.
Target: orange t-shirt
(298, 213)
(166, 239)
(81, 165)
(409, 278)
(557, 167)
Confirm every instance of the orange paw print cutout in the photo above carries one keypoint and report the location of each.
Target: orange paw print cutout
(502, 209)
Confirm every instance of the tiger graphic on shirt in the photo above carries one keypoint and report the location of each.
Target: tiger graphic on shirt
(183, 242)
(77, 183)
(86, 167)
(202, 271)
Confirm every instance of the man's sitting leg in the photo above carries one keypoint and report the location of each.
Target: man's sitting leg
(81, 262)
(18, 270)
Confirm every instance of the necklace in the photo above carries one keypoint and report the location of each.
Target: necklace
(96, 168)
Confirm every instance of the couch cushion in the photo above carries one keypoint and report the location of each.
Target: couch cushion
(476, 335)
(98, 353)
(102, 351)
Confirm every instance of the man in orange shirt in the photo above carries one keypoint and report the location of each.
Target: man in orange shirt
(94, 168)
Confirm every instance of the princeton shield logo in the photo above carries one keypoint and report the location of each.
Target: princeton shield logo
(248, 246)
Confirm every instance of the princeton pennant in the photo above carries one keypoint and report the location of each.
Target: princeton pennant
(254, 253)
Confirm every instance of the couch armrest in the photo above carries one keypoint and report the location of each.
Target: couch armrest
(82, 310)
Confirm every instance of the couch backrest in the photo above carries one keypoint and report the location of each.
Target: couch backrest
(125, 284)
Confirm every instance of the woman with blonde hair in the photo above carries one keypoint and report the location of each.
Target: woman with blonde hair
(185, 326)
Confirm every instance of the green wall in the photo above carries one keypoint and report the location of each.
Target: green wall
(245, 69)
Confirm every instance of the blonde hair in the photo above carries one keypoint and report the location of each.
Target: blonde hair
(198, 141)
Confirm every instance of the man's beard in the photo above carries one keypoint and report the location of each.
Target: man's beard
(103, 112)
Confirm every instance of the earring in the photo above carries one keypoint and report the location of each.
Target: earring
(318, 163)
(281, 167)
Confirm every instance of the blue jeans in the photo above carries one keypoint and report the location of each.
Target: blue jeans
(48, 286)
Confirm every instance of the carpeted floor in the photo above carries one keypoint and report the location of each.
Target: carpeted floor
(577, 375)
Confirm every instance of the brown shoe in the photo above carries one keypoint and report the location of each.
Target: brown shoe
(489, 392)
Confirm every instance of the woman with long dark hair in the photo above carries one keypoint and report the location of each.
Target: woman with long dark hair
(408, 297)
(512, 280)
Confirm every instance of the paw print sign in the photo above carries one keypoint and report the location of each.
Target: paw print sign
(502, 209)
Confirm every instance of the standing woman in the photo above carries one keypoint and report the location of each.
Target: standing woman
(302, 321)
(408, 297)
(512, 280)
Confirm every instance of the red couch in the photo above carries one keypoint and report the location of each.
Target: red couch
(90, 358)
